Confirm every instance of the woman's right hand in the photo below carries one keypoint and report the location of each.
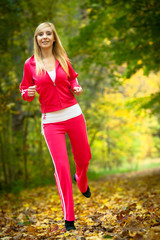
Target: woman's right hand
(32, 91)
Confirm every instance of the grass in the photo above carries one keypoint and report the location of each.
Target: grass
(16, 187)
(145, 164)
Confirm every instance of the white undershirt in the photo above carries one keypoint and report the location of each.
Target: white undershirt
(52, 75)
(63, 114)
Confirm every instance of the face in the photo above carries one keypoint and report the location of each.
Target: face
(45, 38)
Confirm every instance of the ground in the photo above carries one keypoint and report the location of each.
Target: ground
(125, 206)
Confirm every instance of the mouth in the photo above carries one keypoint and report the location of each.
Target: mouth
(45, 42)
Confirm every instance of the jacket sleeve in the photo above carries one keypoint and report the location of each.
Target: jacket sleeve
(26, 83)
(73, 77)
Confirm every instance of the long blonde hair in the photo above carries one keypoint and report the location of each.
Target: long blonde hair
(57, 50)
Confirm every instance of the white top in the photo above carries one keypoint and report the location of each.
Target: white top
(61, 115)
(52, 75)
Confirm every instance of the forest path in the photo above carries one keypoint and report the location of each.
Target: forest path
(123, 206)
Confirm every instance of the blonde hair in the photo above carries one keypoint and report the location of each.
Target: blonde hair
(57, 50)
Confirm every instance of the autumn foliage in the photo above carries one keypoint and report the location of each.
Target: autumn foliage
(113, 45)
(121, 207)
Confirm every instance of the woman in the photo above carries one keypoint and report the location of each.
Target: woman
(49, 72)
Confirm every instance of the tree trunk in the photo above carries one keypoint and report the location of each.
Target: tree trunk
(25, 151)
(3, 160)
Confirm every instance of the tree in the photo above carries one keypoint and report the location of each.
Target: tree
(19, 18)
(117, 38)
(121, 31)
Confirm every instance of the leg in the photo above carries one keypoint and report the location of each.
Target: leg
(54, 134)
(77, 133)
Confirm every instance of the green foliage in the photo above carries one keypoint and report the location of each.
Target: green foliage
(123, 32)
(118, 32)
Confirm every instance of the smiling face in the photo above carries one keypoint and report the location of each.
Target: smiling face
(45, 38)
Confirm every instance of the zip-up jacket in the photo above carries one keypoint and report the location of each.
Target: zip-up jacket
(53, 96)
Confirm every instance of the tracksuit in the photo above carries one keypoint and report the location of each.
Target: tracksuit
(57, 97)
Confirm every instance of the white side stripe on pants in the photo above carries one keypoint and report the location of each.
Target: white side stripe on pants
(58, 183)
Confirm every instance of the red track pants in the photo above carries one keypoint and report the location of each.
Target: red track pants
(54, 134)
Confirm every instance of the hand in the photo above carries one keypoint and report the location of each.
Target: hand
(77, 90)
(32, 91)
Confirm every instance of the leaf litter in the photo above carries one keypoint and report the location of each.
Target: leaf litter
(121, 207)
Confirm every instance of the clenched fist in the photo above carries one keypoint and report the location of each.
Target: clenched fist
(77, 90)
(32, 91)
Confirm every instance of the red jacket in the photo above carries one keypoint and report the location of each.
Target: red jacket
(52, 96)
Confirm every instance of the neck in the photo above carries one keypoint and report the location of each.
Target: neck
(47, 53)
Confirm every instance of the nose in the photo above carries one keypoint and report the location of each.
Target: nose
(44, 35)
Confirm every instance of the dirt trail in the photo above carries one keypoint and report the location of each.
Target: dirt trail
(122, 207)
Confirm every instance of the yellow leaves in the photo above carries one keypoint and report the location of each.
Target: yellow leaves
(26, 205)
(31, 229)
(122, 207)
(153, 235)
(54, 209)
(66, 234)
(120, 132)
(139, 62)
(89, 10)
(150, 43)
(107, 41)
(82, 25)
(139, 85)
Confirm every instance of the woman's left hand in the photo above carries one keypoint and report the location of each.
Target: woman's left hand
(77, 90)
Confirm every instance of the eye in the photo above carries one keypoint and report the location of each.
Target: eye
(40, 34)
(49, 33)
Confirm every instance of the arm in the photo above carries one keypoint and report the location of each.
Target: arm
(75, 87)
(27, 86)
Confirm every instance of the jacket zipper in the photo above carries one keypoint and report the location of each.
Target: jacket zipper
(54, 83)
(57, 93)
